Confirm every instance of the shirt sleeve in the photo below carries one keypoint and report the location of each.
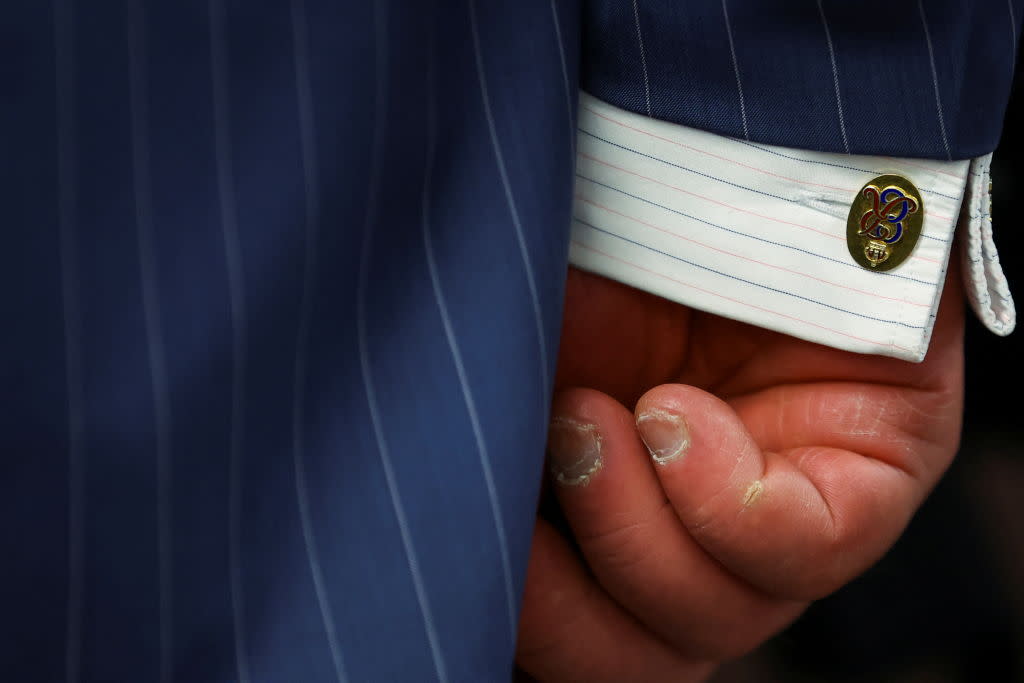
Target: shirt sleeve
(758, 233)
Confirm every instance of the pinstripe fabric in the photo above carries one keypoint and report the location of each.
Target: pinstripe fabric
(1013, 25)
(282, 306)
(311, 183)
(643, 58)
(758, 234)
(258, 422)
(67, 199)
(939, 105)
(457, 358)
(239, 326)
(152, 314)
(915, 79)
(736, 70)
(835, 77)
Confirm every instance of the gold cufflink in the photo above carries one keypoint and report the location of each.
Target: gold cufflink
(885, 223)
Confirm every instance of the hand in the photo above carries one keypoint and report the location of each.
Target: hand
(781, 469)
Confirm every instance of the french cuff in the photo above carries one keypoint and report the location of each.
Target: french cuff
(987, 290)
(758, 233)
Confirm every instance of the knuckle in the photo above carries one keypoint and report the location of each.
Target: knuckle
(627, 544)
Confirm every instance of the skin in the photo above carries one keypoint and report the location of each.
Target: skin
(804, 466)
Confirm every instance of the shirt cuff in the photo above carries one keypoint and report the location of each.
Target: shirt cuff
(987, 289)
(758, 233)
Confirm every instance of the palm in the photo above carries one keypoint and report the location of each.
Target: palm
(623, 341)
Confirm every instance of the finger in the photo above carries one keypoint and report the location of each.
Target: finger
(782, 359)
(905, 414)
(797, 523)
(636, 545)
(569, 630)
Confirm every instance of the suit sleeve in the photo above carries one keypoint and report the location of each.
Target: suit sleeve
(721, 151)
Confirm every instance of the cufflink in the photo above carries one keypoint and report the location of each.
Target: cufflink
(885, 223)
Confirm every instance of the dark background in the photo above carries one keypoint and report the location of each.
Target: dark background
(947, 603)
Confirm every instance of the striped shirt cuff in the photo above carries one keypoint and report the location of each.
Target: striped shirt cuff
(758, 233)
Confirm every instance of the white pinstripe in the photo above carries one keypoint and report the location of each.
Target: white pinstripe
(716, 224)
(835, 76)
(239, 323)
(453, 345)
(67, 200)
(139, 110)
(935, 79)
(1013, 33)
(736, 69)
(509, 198)
(565, 80)
(643, 56)
(379, 138)
(312, 224)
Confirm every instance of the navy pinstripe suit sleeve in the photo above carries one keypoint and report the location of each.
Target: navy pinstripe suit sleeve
(266, 270)
(911, 78)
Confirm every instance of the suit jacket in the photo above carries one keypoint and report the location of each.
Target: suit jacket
(282, 283)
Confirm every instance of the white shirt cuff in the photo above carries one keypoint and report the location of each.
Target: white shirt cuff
(758, 233)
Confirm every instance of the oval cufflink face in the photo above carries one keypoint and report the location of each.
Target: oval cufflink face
(885, 223)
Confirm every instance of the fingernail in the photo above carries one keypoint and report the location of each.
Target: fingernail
(574, 451)
(665, 434)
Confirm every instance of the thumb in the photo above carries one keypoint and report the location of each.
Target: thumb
(796, 523)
